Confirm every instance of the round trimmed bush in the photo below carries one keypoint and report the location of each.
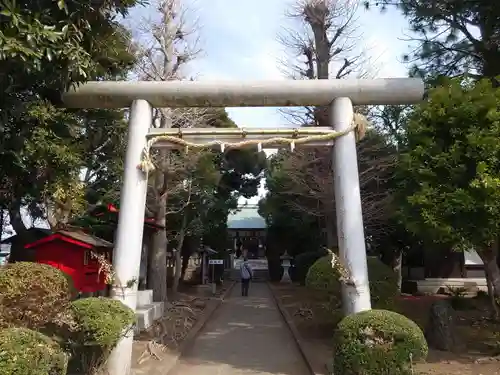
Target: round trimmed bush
(33, 294)
(101, 321)
(383, 282)
(27, 352)
(377, 342)
(304, 261)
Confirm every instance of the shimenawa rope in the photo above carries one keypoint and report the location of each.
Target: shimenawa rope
(358, 124)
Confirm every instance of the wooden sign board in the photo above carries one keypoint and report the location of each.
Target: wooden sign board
(216, 261)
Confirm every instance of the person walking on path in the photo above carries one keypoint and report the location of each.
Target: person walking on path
(246, 274)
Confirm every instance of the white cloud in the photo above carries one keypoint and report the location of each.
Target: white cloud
(239, 39)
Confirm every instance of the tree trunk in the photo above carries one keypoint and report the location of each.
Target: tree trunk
(2, 221)
(143, 271)
(178, 258)
(489, 258)
(491, 295)
(186, 255)
(322, 44)
(397, 266)
(157, 254)
(17, 251)
(331, 233)
(16, 220)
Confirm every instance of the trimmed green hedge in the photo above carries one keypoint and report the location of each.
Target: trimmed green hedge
(101, 321)
(304, 261)
(100, 324)
(323, 278)
(377, 342)
(27, 352)
(33, 294)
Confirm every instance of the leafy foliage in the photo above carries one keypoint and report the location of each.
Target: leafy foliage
(98, 325)
(304, 261)
(43, 148)
(27, 352)
(32, 294)
(454, 37)
(300, 204)
(101, 321)
(377, 342)
(450, 172)
(37, 38)
(324, 279)
(288, 227)
(240, 173)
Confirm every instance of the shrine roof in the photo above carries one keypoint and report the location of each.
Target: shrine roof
(247, 217)
(76, 237)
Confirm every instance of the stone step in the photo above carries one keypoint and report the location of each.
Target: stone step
(144, 297)
(147, 315)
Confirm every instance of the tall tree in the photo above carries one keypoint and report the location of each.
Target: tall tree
(305, 183)
(453, 37)
(187, 208)
(169, 43)
(324, 45)
(40, 143)
(288, 225)
(448, 176)
(394, 240)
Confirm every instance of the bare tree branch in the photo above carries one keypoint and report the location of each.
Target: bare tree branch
(167, 45)
(323, 44)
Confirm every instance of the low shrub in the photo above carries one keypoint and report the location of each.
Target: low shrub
(383, 284)
(33, 294)
(27, 352)
(377, 342)
(99, 324)
(458, 298)
(482, 295)
(322, 278)
(101, 321)
(275, 269)
(303, 262)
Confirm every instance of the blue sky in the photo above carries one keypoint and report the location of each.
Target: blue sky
(239, 42)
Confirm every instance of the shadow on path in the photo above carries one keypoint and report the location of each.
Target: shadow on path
(247, 335)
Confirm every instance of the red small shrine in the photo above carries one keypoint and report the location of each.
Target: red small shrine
(75, 253)
(149, 222)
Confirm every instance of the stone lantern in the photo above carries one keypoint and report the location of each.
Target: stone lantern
(285, 263)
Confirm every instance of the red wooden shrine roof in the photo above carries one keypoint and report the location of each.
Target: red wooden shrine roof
(78, 238)
(149, 221)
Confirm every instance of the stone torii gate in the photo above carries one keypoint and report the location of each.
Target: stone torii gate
(142, 96)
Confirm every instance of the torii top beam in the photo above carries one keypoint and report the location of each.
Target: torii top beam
(278, 93)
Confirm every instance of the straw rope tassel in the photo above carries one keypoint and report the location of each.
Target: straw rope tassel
(359, 124)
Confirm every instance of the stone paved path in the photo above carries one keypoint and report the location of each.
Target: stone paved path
(246, 336)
